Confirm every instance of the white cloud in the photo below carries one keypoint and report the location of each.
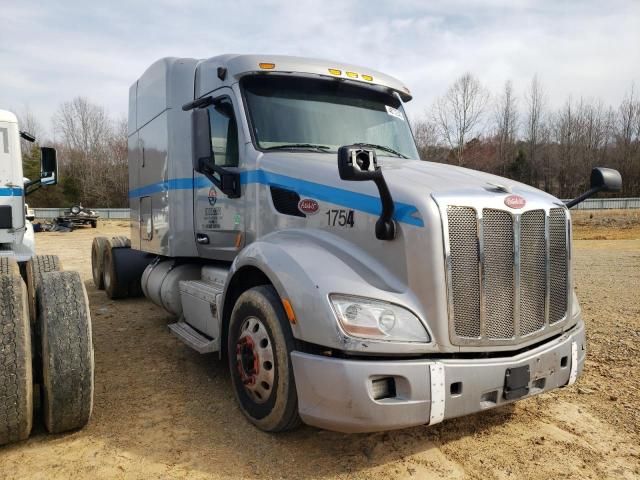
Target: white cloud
(50, 53)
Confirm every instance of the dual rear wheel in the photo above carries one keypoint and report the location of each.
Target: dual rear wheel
(52, 351)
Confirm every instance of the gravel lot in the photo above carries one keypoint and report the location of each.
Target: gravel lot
(162, 410)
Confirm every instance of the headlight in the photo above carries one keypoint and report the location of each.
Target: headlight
(376, 319)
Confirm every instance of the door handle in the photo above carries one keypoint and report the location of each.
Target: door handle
(202, 238)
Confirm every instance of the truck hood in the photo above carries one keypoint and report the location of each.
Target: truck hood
(409, 181)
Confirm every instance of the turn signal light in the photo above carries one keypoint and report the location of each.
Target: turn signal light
(288, 309)
(267, 66)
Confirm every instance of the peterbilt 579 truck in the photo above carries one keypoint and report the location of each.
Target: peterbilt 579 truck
(46, 351)
(281, 213)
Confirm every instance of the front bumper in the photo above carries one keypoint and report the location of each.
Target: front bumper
(337, 394)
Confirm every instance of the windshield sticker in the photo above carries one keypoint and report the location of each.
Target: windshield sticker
(394, 112)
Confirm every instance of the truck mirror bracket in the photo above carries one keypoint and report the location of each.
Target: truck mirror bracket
(602, 180)
(359, 164)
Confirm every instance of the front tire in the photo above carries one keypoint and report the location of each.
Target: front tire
(259, 345)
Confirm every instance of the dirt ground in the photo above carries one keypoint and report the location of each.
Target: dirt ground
(164, 411)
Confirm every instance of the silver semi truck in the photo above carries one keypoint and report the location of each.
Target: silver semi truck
(46, 350)
(281, 213)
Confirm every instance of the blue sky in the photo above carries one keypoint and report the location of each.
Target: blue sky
(51, 51)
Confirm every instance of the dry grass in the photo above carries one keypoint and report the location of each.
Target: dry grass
(606, 224)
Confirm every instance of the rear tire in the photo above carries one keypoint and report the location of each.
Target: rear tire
(98, 248)
(8, 265)
(36, 267)
(259, 345)
(67, 351)
(113, 286)
(41, 264)
(16, 377)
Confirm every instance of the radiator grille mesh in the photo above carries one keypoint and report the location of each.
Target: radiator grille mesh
(498, 273)
(464, 271)
(558, 267)
(533, 277)
(507, 273)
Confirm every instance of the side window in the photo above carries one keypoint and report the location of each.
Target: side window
(224, 134)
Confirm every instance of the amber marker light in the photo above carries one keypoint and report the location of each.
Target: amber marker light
(335, 71)
(289, 311)
(352, 74)
(267, 66)
(368, 78)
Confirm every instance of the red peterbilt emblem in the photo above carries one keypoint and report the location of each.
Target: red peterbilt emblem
(308, 206)
(515, 201)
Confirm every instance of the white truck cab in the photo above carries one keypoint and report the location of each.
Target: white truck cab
(281, 212)
(45, 324)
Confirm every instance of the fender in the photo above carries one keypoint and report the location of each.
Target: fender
(305, 266)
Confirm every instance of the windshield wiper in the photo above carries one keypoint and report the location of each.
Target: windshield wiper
(322, 148)
(383, 148)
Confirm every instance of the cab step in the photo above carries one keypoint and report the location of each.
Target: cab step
(193, 338)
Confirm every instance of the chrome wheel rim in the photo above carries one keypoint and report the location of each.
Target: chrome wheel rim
(255, 360)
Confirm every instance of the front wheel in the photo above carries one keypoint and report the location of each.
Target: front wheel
(259, 346)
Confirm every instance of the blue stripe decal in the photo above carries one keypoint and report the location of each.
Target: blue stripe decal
(10, 192)
(404, 212)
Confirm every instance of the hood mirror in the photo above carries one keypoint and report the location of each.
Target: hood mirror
(359, 164)
(602, 180)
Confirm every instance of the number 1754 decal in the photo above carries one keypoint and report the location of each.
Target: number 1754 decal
(340, 218)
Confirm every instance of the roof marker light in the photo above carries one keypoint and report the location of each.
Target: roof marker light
(267, 66)
(368, 78)
(352, 74)
(335, 71)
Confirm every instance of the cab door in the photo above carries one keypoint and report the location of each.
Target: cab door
(218, 219)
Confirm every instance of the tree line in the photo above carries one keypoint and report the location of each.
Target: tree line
(522, 138)
(519, 137)
(92, 157)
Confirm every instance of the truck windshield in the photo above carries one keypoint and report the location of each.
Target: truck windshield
(322, 115)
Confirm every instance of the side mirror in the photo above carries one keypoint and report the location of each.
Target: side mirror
(606, 179)
(48, 166)
(359, 164)
(602, 180)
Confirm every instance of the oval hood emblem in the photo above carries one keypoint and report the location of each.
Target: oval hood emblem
(515, 201)
(308, 206)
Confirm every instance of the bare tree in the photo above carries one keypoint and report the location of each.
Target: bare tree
(628, 138)
(85, 132)
(506, 126)
(426, 135)
(535, 99)
(29, 123)
(458, 112)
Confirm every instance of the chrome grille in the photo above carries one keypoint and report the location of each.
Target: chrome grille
(507, 273)
(558, 266)
(498, 272)
(464, 270)
(533, 271)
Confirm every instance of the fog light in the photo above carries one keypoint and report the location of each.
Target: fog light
(383, 388)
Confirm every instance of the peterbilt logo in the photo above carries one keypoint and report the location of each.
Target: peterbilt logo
(515, 201)
(308, 206)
